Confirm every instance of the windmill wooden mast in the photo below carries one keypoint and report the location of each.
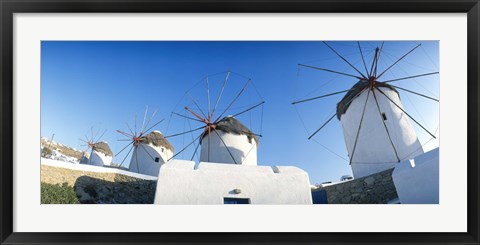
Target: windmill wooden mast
(377, 129)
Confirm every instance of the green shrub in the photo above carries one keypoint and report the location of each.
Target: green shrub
(46, 152)
(58, 194)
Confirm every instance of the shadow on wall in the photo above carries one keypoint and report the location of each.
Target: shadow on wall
(123, 191)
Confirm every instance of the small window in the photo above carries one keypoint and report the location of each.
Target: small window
(384, 116)
(162, 149)
(230, 200)
(157, 159)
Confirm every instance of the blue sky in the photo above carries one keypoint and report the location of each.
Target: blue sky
(104, 84)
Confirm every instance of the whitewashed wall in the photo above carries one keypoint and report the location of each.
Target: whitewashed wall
(92, 168)
(243, 151)
(179, 183)
(374, 152)
(145, 155)
(417, 181)
(99, 159)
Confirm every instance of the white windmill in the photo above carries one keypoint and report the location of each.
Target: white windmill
(150, 150)
(101, 154)
(224, 138)
(377, 129)
(232, 142)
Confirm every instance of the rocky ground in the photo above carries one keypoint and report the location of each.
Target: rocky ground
(102, 188)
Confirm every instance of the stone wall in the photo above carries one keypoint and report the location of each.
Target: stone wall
(101, 188)
(376, 188)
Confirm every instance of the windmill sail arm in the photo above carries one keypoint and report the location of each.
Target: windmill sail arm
(359, 127)
(226, 147)
(398, 60)
(184, 148)
(406, 113)
(343, 58)
(319, 97)
(413, 92)
(332, 71)
(385, 126)
(410, 77)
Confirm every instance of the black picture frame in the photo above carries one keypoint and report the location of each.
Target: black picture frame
(10, 7)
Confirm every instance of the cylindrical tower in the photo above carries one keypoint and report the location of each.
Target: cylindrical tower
(230, 142)
(101, 154)
(378, 133)
(149, 155)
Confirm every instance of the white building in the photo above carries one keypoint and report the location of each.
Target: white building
(231, 142)
(214, 183)
(417, 180)
(153, 151)
(101, 154)
(378, 134)
(231, 175)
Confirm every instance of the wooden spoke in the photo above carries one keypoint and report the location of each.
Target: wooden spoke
(208, 97)
(406, 113)
(378, 58)
(145, 150)
(410, 77)
(196, 105)
(363, 59)
(413, 92)
(374, 61)
(208, 151)
(385, 125)
(220, 94)
(144, 118)
(186, 132)
(249, 109)
(359, 72)
(128, 153)
(332, 71)
(323, 125)
(124, 148)
(319, 97)
(131, 131)
(136, 159)
(126, 134)
(101, 136)
(154, 125)
(333, 116)
(135, 124)
(234, 100)
(194, 152)
(398, 60)
(184, 148)
(226, 147)
(359, 127)
(196, 115)
(150, 119)
(191, 118)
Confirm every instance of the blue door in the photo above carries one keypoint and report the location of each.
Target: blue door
(319, 197)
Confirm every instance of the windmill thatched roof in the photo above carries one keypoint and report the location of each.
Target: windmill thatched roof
(357, 89)
(230, 124)
(102, 147)
(157, 139)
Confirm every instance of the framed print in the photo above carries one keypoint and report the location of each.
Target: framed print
(344, 122)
